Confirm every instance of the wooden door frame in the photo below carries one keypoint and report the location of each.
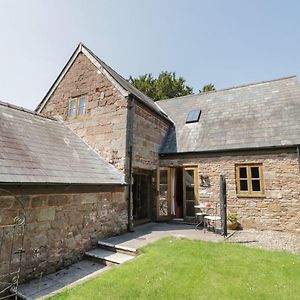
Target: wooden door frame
(163, 218)
(196, 188)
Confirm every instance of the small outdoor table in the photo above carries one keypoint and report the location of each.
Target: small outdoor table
(199, 216)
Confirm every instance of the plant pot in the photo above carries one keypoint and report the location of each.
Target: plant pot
(233, 225)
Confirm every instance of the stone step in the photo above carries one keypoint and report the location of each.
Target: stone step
(108, 257)
(117, 248)
(54, 283)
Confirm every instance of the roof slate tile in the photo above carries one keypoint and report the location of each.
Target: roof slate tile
(265, 114)
(36, 149)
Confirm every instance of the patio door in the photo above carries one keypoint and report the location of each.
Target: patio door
(190, 192)
(164, 194)
(141, 189)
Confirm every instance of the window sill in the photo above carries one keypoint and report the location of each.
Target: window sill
(78, 117)
(250, 196)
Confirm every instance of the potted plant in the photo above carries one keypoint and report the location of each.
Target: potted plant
(233, 221)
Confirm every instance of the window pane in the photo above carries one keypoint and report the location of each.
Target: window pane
(72, 113)
(72, 108)
(256, 185)
(190, 193)
(73, 104)
(190, 209)
(163, 177)
(163, 207)
(163, 193)
(255, 172)
(193, 116)
(243, 185)
(243, 172)
(82, 103)
(81, 111)
(189, 185)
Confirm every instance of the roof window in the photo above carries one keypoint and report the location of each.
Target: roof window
(193, 116)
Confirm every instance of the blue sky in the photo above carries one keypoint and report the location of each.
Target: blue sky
(223, 42)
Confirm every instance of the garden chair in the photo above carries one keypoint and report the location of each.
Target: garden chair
(210, 220)
(205, 209)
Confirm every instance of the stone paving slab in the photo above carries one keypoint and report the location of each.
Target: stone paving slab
(114, 257)
(117, 247)
(151, 232)
(53, 283)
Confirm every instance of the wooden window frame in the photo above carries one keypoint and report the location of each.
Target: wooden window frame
(249, 193)
(163, 217)
(77, 103)
(195, 169)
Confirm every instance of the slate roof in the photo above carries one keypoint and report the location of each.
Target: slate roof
(265, 114)
(37, 149)
(81, 48)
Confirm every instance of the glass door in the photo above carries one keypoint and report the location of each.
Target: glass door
(190, 192)
(141, 196)
(163, 199)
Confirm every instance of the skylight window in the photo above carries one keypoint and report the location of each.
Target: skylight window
(193, 116)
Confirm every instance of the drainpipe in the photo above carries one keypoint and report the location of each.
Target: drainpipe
(130, 199)
(130, 123)
(298, 152)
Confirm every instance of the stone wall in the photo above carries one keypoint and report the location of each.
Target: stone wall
(278, 210)
(104, 125)
(148, 133)
(62, 224)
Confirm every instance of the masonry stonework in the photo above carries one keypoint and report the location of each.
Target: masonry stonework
(279, 209)
(148, 133)
(62, 225)
(103, 126)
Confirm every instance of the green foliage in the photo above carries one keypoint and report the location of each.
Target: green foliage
(232, 218)
(185, 269)
(144, 83)
(207, 88)
(165, 86)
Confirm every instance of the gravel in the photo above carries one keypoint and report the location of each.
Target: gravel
(271, 240)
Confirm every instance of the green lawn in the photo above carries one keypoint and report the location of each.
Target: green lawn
(184, 269)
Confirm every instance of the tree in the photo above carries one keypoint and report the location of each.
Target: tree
(208, 88)
(165, 86)
(144, 83)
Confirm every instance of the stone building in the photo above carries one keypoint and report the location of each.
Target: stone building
(98, 156)
(250, 134)
(70, 195)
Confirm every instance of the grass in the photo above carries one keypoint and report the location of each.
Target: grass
(185, 269)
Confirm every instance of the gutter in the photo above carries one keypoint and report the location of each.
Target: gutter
(167, 154)
(2, 183)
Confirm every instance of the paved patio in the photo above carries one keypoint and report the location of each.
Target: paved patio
(151, 232)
